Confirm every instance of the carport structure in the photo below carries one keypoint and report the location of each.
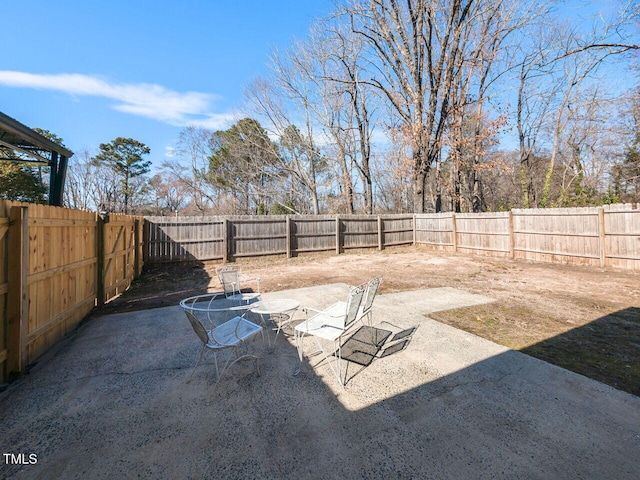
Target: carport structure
(33, 148)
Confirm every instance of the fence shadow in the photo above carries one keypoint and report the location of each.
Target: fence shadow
(150, 289)
(502, 416)
(434, 410)
(607, 350)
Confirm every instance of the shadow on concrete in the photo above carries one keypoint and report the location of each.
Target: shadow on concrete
(606, 349)
(369, 343)
(151, 288)
(112, 402)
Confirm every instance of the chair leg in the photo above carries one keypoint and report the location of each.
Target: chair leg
(298, 336)
(340, 364)
(227, 364)
(257, 367)
(198, 363)
(215, 360)
(337, 371)
(334, 366)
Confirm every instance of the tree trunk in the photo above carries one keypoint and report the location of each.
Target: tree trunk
(347, 184)
(368, 196)
(315, 203)
(478, 204)
(126, 195)
(438, 205)
(418, 191)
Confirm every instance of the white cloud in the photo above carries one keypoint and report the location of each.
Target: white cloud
(145, 100)
(170, 151)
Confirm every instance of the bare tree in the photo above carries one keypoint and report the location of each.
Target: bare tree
(189, 166)
(166, 197)
(421, 54)
(80, 185)
(300, 159)
(417, 47)
(343, 55)
(552, 73)
(319, 81)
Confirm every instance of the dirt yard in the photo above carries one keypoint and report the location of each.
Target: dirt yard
(581, 318)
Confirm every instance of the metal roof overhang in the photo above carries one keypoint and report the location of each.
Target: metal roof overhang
(20, 138)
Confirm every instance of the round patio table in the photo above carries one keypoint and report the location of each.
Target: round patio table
(280, 311)
(215, 307)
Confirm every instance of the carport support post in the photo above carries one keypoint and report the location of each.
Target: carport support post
(17, 305)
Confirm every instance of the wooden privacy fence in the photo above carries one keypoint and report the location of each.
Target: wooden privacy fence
(177, 239)
(56, 264)
(599, 236)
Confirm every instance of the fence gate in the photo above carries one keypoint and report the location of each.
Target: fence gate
(51, 274)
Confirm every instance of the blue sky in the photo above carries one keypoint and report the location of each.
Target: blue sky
(90, 71)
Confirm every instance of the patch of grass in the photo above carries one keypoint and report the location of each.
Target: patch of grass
(606, 349)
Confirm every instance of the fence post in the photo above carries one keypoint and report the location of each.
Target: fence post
(337, 235)
(379, 233)
(454, 232)
(225, 240)
(146, 227)
(288, 229)
(414, 229)
(17, 302)
(601, 232)
(136, 252)
(100, 254)
(512, 238)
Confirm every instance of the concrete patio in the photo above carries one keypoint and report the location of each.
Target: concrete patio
(110, 401)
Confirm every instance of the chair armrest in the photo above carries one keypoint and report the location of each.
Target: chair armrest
(256, 279)
(306, 310)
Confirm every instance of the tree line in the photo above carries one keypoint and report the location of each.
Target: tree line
(408, 106)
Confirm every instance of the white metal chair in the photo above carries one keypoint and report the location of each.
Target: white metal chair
(329, 326)
(366, 307)
(231, 279)
(229, 335)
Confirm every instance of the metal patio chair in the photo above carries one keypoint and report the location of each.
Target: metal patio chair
(229, 335)
(366, 307)
(330, 326)
(232, 280)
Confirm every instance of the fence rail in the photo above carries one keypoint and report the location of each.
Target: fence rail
(60, 263)
(178, 239)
